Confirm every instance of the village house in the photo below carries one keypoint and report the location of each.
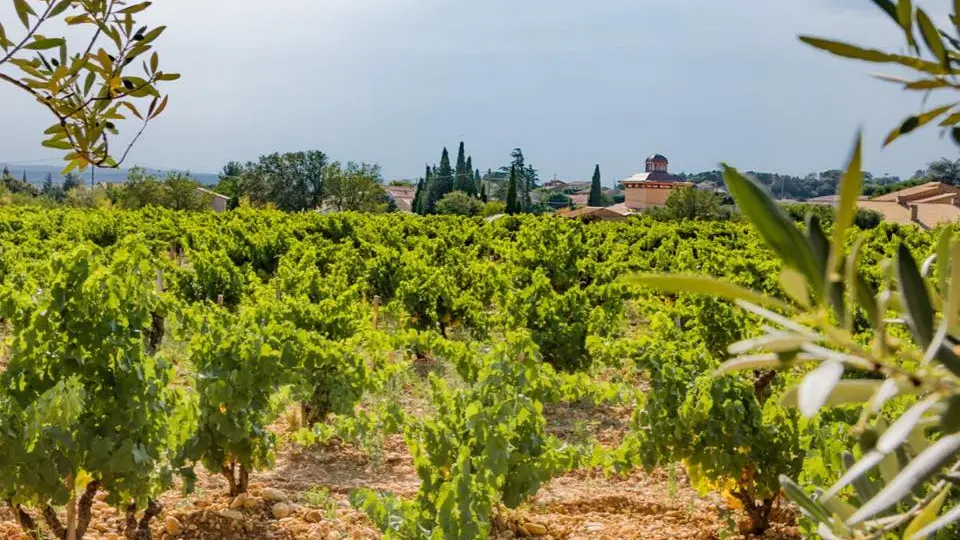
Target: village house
(218, 202)
(926, 205)
(402, 196)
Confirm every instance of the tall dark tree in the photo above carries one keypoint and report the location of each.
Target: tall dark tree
(596, 190)
(440, 184)
(23, 178)
(71, 181)
(6, 172)
(526, 178)
(477, 181)
(417, 205)
(230, 183)
(47, 187)
(513, 204)
(464, 172)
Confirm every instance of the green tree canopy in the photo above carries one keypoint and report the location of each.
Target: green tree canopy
(355, 187)
(459, 203)
(693, 203)
(178, 191)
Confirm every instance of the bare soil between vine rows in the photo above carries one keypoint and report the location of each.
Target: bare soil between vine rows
(579, 505)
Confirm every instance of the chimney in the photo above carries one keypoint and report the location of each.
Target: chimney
(914, 213)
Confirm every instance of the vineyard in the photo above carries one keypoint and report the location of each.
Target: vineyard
(154, 356)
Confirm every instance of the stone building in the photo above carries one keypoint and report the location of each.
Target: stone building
(653, 187)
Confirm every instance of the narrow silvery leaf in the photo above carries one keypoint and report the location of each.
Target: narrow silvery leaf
(863, 485)
(851, 185)
(947, 519)
(817, 386)
(898, 432)
(798, 496)
(927, 265)
(867, 462)
(915, 473)
(756, 361)
(682, 283)
(777, 318)
(828, 354)
(888, 390)
(934, 348)
(915, 296)
(838, 507)
(780, 342)
(846, 391)
(824, 531)
(794, 284)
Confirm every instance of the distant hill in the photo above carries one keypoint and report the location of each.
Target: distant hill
(36, 174)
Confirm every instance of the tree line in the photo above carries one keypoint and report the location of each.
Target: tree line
(302, 181)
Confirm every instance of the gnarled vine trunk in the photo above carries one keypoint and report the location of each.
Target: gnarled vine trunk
(79, 513)
(140, 530)
(238, 477)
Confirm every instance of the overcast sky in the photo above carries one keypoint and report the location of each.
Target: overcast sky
(572, 82)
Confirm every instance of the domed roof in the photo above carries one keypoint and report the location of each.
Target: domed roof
(657, 158)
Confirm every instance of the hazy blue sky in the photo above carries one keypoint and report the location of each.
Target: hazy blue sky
(572, 82)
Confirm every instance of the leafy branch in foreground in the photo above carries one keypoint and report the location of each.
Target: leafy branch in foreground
(916, 447)
(90, 88)
(937, 62)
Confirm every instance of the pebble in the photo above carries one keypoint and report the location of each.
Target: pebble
(535, 529)
(111, 536)
(313, 516)
(231, 514)
(281, 510)
(239, 501)
(274, 495)
(334, 535)
(172, 526)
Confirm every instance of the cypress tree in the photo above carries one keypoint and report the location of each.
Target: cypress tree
(464, 177)
(478, 182)
(513, 206)
(441, 184)
(465, 180)
(483, 193)
(24, 177)
(596, 190)
(47, 185)
(417, 205)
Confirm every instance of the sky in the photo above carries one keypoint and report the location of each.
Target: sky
(572, 83)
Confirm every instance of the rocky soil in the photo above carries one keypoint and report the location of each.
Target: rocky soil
(306, 497)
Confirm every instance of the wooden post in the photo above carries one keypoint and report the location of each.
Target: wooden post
(376, 310)
(220, 300)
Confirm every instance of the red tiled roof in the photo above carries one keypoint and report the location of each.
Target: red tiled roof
(654, 177)
(924, 191)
